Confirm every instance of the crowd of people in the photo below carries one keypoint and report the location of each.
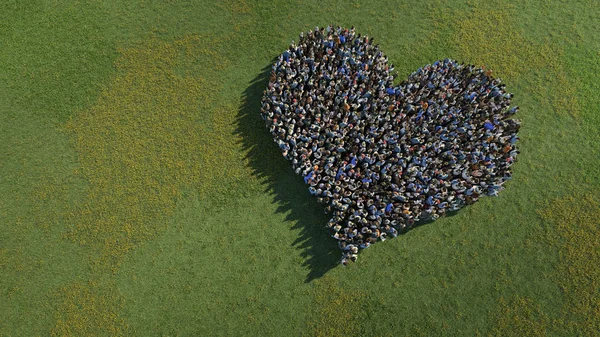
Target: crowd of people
(384, 157)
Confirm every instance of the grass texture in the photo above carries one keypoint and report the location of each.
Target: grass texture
(142, 195)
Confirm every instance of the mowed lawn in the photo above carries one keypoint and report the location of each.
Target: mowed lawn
(141, 195)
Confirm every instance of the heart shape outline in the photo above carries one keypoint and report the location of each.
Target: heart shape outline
(434, 143)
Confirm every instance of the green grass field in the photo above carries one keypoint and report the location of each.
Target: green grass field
(140, 193)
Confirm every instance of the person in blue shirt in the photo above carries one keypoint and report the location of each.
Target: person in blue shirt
(389, 207)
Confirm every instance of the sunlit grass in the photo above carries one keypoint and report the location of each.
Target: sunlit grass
(577, 238)
(138, 198)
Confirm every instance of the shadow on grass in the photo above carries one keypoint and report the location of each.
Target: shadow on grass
(291, 194)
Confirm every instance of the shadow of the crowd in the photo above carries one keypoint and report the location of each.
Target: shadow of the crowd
(291, 194)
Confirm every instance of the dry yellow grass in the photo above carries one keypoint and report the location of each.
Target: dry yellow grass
(338, 312)
(90, 310)
(577, 238)
(488, 34)
(139, 146)
(520, 316)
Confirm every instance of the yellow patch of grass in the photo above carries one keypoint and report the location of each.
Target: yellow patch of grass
(155, 130)
(3, 257)
(577, 238)
(521, 316)
(239, 11)
(338, 312)
(236, 6)
(84, 313)
(488, 34)
(145, 138)
(487, 37)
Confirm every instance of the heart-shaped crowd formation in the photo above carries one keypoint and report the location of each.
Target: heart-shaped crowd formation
(384, 157)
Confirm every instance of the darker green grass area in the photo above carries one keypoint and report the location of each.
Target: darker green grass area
(230, 242)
